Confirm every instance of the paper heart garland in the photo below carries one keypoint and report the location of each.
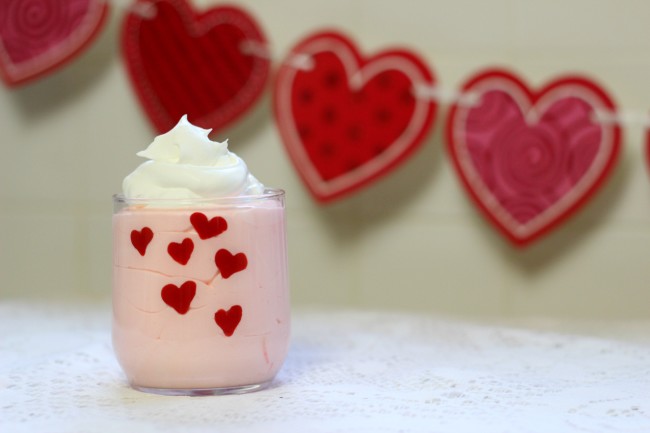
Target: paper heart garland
(181, 61)
(530, 159)
(39, 36)
(347, 120)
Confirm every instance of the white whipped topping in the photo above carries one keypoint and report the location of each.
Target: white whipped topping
(184, 163)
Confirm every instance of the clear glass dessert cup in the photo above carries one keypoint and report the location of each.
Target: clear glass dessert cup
(200, 293)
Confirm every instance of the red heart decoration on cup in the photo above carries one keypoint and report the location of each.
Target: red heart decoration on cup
(181, 61)
(140, 239)
(347, 120)
(228, 320)
(181, 251)
(179, 298)
(530, 159)
(207, 229)
(229, 264)
(38, 36)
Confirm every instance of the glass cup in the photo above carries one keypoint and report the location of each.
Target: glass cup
(200, 293)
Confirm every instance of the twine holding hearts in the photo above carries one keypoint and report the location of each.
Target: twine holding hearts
(529, 159)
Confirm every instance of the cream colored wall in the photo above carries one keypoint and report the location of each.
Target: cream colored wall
(413, 240)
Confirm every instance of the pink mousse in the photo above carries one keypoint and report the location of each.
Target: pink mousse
(160, 344)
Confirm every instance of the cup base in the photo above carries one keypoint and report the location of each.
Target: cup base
(198, 392)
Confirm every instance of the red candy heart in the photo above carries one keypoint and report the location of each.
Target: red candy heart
(36, 37)
(208, 229)
(179, 298)
(228, 263)
(181, 252)
(140, 239)
(530, 159)
(347, 120)
(228, 320)
(182, 61)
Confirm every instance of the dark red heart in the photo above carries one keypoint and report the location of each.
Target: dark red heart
(228, 320)
(181, 252)
(179, 298)
(37, 37)
(140, 239)
(181, 61)
(208, 229)
(228, 263)
(347, 120)
(530, 159)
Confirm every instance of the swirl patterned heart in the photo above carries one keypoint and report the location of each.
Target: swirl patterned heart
(530, 159)
(181, 61)
(39, 36)
(347, 120)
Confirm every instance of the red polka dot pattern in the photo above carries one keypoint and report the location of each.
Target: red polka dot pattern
(345, 120)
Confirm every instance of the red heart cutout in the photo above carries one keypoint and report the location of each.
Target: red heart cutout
(36, 37)
(347, 120)
(530, 159)
(228, 263)
(228, 320)
(185, 62)
(179, 298)
(140, 239)
(181, 252)
(208, 229)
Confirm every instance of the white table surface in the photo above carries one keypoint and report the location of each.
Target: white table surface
(349, 371)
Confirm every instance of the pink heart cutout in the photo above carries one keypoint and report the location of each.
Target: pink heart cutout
(36, 37)
(530, 159)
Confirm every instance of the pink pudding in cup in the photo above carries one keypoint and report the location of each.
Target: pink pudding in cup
(200, 285)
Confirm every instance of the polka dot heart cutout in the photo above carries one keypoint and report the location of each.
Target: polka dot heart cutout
(530, 159)
(347, 120)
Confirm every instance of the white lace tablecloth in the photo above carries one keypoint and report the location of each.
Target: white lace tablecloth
(346, 372)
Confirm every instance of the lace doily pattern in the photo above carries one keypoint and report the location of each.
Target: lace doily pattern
(346, 371)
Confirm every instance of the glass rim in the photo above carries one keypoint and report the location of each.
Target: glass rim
(268, 194)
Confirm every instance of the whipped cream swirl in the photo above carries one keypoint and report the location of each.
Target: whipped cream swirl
(184, 163)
